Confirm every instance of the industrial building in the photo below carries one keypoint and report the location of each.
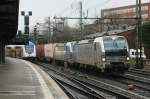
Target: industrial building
(123, 12)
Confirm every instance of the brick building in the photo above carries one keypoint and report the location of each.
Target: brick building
(123, 12)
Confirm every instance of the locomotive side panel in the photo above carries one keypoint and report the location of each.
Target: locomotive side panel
(85, 54)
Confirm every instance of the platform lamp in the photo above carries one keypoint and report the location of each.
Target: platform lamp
(26, 23)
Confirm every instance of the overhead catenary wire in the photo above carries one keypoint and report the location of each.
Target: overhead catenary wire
(68, 9)
(99, 4)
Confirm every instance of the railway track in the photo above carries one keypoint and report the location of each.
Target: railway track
(140, 77)
(138, 83)
(138, 72)
(116, 88)
(81, 89)
(74, 91)
(144, 72)
(121, 85)
(137, 78)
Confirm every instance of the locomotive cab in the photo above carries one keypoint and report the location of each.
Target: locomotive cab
(115, 54)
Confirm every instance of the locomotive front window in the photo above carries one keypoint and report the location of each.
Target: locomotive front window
(116, 43)
(108, 43)
(120, 43)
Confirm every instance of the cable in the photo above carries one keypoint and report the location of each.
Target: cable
(65, 9)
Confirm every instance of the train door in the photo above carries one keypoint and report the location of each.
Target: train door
(18, 52)
(13, 52)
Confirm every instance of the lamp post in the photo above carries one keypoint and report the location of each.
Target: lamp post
(26, 22)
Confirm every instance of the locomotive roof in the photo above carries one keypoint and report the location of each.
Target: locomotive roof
(92, 40)
(111, 36)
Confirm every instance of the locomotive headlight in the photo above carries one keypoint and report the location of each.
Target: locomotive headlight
(128, 58)
(103, 59)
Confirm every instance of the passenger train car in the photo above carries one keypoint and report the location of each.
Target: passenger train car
(21, 51)
(107, 53)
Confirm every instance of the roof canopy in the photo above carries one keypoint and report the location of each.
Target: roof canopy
(9, 10)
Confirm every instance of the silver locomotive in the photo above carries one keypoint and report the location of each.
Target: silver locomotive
(107, 53)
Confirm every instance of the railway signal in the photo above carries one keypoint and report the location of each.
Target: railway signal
(26, 22)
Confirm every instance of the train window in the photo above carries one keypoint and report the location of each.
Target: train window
(132, 53)
(94, 46)
(108, 43)
(120, 43)
(8, 47)
(116, 43)
(17, 47)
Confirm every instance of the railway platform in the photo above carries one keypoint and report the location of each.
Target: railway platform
(20, 79)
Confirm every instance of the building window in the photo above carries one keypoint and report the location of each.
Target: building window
(124, 11)
(144, 8)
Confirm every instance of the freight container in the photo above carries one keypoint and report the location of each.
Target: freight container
(59, 52)
(49, 51)
(40, 52)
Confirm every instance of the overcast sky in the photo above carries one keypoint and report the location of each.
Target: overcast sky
(45, 8)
